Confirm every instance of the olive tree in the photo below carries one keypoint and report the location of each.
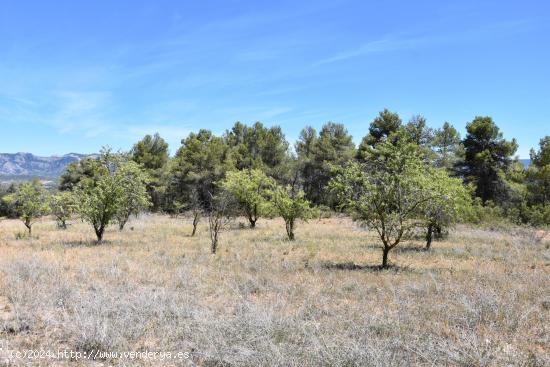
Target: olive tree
(249, 188)
(29, 202)
(291, 204)
(388, 192)
(63, 205)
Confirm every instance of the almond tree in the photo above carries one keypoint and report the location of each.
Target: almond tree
(249, 188)
(220, 214)
(29, 202)
(448, 200)
(388, 192)
(108, 195)
(63, 205)
(291, 204)
(135, 198)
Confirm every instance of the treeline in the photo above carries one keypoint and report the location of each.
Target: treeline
(483, 159)
(402, 176)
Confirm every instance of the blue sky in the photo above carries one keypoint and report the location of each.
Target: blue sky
(77, 75)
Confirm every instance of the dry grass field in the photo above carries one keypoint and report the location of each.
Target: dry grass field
(479, 298)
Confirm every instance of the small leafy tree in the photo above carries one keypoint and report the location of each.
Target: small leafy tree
(388, 192)
(448, 200)
(249, 188)
(102, 199)
(195, 206)
(98, 203)
(63, 205)
(135, 198)
(291, 204)
(220, 214)
(29, 202)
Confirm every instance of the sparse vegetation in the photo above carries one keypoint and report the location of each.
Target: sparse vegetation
(262, 300)
(477, 299)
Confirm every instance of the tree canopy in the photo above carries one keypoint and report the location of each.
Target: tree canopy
(487, 156)
(29, 202)
(257, 146)
(389, 192)
(118, 189)
(381, 128)
(249, 187)
(318, 155)
(151, 153)
(446, 144)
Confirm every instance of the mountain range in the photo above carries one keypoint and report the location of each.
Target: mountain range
(27, 165)
(19, 165)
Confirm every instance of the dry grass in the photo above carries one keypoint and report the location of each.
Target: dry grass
(480, 298)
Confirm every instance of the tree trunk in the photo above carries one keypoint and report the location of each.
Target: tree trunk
(214, 246)
(386, 251)
(29, 227)
(99, 233)
(439, 232)
(290, 229)
(429, 236)
(123, 222)
(196, 219)
(252, 215)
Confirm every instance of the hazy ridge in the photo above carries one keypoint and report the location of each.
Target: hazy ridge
(18, 165)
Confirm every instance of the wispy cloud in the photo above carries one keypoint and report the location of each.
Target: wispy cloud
(372, 47)
(394, 42)
(80, 111)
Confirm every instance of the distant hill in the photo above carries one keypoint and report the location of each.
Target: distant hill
(24, 165)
